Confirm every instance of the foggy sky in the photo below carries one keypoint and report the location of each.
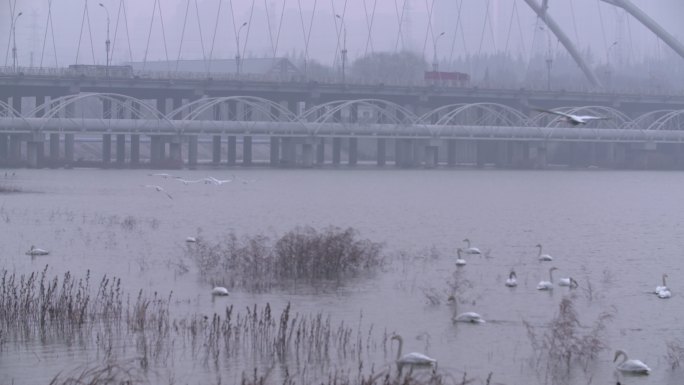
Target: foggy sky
(418, 34)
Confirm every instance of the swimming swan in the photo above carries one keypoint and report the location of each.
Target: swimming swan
(411, 359)
(219, 290)
(543, 257)
(459, 260)
(512, 280)
(36, 251)
(664, 294)
(471, 250)
(469, 317)
(568, 282)
(661, 288)
(547, 285)
(630, 366)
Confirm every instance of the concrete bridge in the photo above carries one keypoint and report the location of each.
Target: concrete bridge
(366, 130)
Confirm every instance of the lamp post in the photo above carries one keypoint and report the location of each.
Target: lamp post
(237, 56)
(14, 42)
(435, 64)
(106, 41)
(344, 47)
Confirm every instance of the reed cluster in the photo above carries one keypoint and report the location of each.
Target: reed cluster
(301, 254)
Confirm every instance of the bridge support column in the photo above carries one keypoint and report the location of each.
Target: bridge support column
(480, 153)
(232, 150)
(502, 156)
(540, 156)
(175, 152)
(34, 150)
(156, 155)
(405, 153)
(216, 150)
(15, 148)
(336, 151)
(192, 151)
(16, 103)
(54, 149)
(120, 149)
(381, 152)
(246, 150)
(353, 151)
(320, 152)
(135, 149)
(106, 148)
(308, 153)
(288, 152)
(451, 152)
(4, 147)
(275, 151)
(431, 154)
(617, 155)
(69, 148)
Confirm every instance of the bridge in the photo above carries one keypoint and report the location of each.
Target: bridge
(370, 130)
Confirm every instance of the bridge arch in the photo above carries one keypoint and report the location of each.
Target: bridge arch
(7, 111)
(474, 114)
(672, 120)
(268, 109)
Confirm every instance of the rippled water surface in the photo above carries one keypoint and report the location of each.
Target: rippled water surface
(615, 232)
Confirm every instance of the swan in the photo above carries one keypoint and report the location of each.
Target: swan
(575, 120)
(460, 261)
(187, 182)
(543, 257)
(36, 251)
(411, 359)
(191, 239)
(664, 294)
(661, 288)
(512, 280)
(159, 188)
(547, 285)
(217, 182)
(630, 366)
(469, 317)
(471, 250)
(568, 282)
(219, 290)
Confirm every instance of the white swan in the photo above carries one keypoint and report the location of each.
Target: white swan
(664, 294)
(36, 251)
(471, 250)
(547, 285)
(411, 359)
(217, 182)
(459, 260)
(658, 289)
(159, 189)
(512, 280)
(568, 282)
(574, 119)
(630, 366)
(543, 257)
(219, 290)
(469, 317)
(191, 239)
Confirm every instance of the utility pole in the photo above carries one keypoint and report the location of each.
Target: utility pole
(237, 56)
(15, 63)
(106, 41)
(344, 47)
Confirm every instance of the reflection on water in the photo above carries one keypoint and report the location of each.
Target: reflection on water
(615, 233)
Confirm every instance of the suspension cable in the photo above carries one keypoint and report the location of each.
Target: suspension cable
(149, 34)
(249, 28)
(47, 21)
(428, 30)
(369, 24)
(90, 32)
(128, 34)
(11, 29)
(400, 19)
(268, 24)
(484, 27)
(80, 35)
(199, 25)
(116, 30)
(213, 39)
(180, 45)
(510, 27)
(453, 41)
(166, 50)
(280, 27)
(520, 31)
(603, 30)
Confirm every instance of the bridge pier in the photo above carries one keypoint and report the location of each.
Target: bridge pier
(381, 152)
(175, 151)
(502, 154)
(431, 153)
(155, 150)
(480, 153)
(540, 156)
(336, 151)
(353, 151)
(135, 150)
(288, 152)
(4, 147)
(246, 150)
(120, 149)
(69, 148)
(451, 152)
(274, 158)
(54, 149)
(15, 148)
(34, 150)
(232, 150)
(320, 152)
(106, 149)
(216, 150)
(308, 153)
(192, 151)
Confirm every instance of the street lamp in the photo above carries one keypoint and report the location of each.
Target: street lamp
(344, 47)
(106, 41)
(237, 56)
(435, 64)
(14, 42)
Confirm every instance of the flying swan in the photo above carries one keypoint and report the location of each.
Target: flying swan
(575, 120)
(220, 291)
(630, 366)
(470, 317)
(411, 359)
(36, 251)
(547, 285)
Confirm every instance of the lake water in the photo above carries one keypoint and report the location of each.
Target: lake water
(614, 231)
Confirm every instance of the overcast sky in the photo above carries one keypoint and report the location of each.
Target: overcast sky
(510, 26)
